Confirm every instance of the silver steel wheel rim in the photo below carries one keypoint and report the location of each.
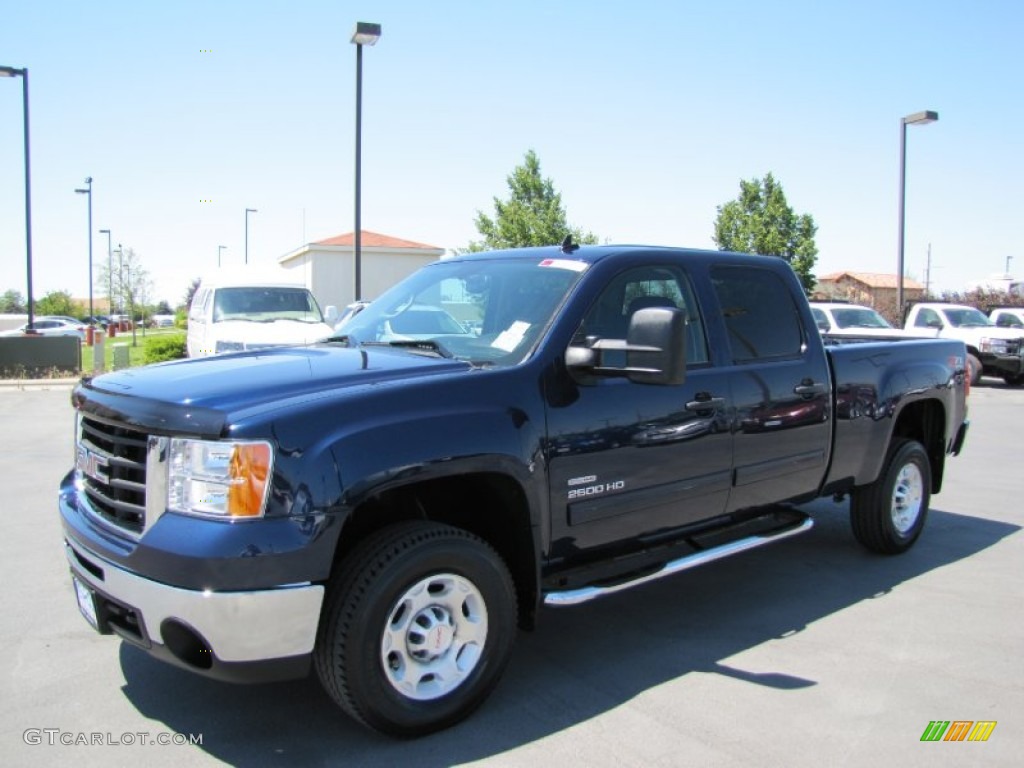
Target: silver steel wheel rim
(906, 498)
(434, 636)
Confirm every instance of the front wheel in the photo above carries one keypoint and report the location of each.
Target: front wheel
(888, 515)
(974, 369)
(417, 628)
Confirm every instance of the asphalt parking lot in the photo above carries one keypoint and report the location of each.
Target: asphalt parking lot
(807, 652)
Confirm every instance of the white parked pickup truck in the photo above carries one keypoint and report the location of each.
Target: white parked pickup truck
(991, 350)
(1008, 317)
(835, 318)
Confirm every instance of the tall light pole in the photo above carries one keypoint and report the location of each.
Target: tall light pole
(88, 192)
(247, 212)
(364, 34)
(219, 249)
(110, 273)
(918, 118)
(1008, 260)
(23, 74)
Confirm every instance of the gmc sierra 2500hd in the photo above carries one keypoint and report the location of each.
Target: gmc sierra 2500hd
(496, 432)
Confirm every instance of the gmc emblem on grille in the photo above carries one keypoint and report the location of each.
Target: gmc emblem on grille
(93, 464)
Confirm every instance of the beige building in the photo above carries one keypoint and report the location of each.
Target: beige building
(328, 266)
(871, 288)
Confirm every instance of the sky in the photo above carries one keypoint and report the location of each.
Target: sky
(646, 116)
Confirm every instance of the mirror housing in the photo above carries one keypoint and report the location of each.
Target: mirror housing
(654, 349)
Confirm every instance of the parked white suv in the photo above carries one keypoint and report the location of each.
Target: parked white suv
(991, 350)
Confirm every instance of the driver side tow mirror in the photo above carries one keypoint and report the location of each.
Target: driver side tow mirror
(654, 350)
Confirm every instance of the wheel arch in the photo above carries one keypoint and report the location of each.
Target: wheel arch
(490, 504)
(925, 422)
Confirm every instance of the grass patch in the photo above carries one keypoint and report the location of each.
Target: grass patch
(154, 346)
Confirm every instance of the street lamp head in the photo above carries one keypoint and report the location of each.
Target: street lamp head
(251, 210)
(921, 118)
(104, 231)
(11, 72)
(366, 33)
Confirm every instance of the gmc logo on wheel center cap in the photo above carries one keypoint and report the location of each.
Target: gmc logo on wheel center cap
(93, 465)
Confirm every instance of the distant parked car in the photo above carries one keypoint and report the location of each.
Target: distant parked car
(991, 350)
(66, 318)
(51, 326)
(839, 319)
(162, 321)
(351, 311)
(413, 323)
(1007, 317)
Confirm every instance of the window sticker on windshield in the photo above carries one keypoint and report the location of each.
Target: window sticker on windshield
(572, 266)
(510, 338)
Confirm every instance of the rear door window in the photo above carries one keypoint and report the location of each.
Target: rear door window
(760, 314)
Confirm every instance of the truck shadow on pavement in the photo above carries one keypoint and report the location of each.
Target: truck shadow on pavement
(581, 662)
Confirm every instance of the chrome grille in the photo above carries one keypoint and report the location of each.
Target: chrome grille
(111, 463)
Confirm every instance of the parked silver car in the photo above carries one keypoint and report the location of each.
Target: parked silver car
(51, 326)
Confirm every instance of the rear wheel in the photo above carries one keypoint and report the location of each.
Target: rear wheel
(1014, 380)
(417, 628)
(888, 515)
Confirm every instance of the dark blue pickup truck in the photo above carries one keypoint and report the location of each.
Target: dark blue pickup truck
(497, 432)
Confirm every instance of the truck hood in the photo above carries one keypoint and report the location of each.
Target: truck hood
(985, 332)
(197, 395)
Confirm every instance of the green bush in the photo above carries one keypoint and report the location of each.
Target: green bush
(162, 348)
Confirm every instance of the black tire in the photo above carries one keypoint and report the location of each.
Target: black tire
(973, 369)
(404, 589)
(888, 515)
(1014, 380)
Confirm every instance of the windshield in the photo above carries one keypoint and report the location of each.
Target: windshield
(968, 317)
(265, 304)
(489, 312)
(859, 317)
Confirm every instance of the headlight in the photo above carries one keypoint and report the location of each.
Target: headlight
(228, 346)
(993, 346)
(219, 479)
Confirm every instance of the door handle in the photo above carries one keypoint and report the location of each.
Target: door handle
(807, 388)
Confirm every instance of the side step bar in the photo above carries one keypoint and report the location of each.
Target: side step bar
(585, 594)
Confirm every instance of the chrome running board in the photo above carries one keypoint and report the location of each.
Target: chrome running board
(584, 594)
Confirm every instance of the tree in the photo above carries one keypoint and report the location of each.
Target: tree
(192, 288)
(13, 303)
(532, 215)
(761, 221)
(56, 303)
(131, 284)
(129, 280)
